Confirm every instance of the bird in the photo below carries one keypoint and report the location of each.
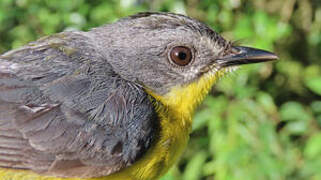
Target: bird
(112, 103)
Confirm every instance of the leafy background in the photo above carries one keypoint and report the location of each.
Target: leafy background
(260, 122)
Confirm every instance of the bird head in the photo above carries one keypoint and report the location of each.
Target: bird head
(175, 58)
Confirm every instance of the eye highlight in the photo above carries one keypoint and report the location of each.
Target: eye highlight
(181, 55)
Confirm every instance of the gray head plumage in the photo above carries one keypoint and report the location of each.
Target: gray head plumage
(137, 47)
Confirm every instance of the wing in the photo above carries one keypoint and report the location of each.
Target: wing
(64, 112)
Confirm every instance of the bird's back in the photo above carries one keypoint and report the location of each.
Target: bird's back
(64, 111)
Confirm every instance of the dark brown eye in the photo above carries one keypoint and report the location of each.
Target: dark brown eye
(181, 55)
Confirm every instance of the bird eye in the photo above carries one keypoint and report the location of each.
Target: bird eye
(181, 55)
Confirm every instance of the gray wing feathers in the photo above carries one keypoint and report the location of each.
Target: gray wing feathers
(63, 114)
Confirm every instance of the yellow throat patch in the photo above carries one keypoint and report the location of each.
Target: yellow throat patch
(175, 110)
(182, 100)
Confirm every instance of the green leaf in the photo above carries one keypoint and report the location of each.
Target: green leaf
(298, 118)
(266, 101)
(293, 111)
(193, 170)
(316, 107)
(314, 84)
(313, 147)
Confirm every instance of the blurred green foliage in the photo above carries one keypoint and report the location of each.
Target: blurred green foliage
(260, 122)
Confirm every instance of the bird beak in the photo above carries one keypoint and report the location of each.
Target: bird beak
(246, 55)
